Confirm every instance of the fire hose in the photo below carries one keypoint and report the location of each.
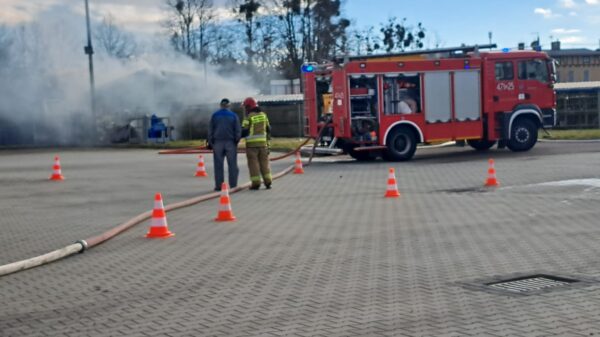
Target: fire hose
(81, 245)
(204, 149)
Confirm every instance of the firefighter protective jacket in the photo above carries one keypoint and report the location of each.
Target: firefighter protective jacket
(259, 129)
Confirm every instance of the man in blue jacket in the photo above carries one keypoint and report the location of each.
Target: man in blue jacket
(224, 133)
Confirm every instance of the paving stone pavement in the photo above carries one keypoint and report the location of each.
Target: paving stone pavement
(322, 254)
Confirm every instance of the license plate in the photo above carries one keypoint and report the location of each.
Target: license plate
(327, 138)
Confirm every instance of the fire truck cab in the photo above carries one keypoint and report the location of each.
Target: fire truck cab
(385, 105)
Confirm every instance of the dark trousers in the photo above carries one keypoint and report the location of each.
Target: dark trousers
(222, 149)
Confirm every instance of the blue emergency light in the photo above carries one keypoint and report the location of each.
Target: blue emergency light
(505, 50)
(308, 68)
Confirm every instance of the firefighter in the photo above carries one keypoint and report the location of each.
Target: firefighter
(256, 127)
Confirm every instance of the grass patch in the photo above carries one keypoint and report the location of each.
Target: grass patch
(287, 144)
(277, 144)
(574, 134)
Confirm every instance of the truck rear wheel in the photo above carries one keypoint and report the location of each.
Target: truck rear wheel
(481, 144)
(401, 145)
(523, 135)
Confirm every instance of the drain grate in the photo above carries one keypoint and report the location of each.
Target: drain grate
(532, 283)
(526, 284)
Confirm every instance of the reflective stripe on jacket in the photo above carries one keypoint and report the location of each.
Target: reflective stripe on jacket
(258, 127)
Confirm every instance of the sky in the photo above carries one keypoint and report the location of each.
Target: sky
(576, 23)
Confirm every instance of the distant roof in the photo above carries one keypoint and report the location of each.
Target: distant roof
(280, 98)
(571, 86)
(572, 52)
(274, 99)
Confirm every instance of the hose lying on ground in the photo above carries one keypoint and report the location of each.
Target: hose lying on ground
(81, 245)
(203, 149)
(192, 150)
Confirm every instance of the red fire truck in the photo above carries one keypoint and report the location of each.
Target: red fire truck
(386, 104)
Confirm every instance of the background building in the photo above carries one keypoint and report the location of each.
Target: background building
(576, 65)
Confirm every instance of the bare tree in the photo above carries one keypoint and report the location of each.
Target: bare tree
(205, 16)
(312, 30)
(434, 41)
(363, 41)
(270, 50)
(188, 23)
(221, 51)
(323, 29)
(398, 36)
(180, 23)
(289, 13)
(113, 41)
(246, 12)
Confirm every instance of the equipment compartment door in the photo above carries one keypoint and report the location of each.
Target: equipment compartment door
(438, 104)
(310, 106)
(466, 89)
(452, 105)
(341, 109)
(467, 95)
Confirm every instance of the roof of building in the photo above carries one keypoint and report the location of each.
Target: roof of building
(572, 86)
(280, 98)
(273, 99)
(573, 52)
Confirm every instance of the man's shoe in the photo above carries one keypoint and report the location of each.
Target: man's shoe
(217, 189)
(254, 188)
(268, 186)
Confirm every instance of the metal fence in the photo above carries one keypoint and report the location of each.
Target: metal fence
(578, 109)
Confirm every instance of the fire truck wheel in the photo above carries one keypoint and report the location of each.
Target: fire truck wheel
(481, 144)
(401, 145)
(523, 135)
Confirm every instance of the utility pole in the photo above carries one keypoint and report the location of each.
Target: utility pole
(490, 37)
(89, 50)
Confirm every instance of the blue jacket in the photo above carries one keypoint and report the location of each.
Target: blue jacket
(224, 126)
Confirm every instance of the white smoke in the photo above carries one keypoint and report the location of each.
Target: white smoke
(44, 82)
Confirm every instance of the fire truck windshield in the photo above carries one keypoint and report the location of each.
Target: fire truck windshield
(533, 70)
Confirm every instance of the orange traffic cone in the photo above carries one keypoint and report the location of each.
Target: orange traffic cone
(392, 187)
(298, 169)
(158, 226)
(491, 180)
(56, 172)
(225, 213)
(200, 170)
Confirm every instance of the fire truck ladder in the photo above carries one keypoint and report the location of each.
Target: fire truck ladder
(447, 52)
